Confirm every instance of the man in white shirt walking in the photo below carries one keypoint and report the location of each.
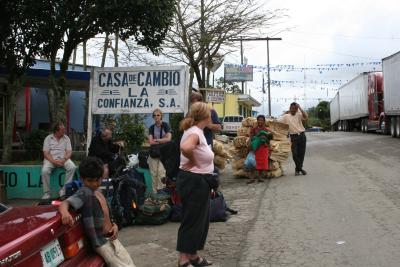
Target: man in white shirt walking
(295, 117)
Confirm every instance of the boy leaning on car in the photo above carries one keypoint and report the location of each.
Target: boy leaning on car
(101, 232)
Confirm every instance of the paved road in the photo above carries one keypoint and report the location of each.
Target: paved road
(345, 212)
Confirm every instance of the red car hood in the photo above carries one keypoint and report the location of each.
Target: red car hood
(18, 221)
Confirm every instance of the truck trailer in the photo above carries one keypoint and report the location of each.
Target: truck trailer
(359, 104)
(391, 82)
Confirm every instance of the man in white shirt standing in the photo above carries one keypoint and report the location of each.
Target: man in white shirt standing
(57, 152)
(295, 118)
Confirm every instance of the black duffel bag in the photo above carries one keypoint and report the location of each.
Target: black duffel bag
(143, 156)
(154, 151)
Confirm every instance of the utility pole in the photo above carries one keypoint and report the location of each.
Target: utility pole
(241, 39)
(241, 59)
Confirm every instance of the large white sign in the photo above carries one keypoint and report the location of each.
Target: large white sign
(140, 90)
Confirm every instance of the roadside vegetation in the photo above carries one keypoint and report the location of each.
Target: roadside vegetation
(319, 116)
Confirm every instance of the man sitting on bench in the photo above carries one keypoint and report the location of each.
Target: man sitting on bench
(57, 152)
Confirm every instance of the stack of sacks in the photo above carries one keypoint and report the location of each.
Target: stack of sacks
(222, 138)
(220, 155)
(240, 151)
(280, 146)
(247, 124)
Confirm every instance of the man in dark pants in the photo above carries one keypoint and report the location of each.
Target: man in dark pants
(295, 117)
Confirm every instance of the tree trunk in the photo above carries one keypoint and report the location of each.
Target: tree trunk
(197, 72)
(51, 92)
(202, 46)
(208, 78)
(84, 55)
(105, 47)
(116, 50)
(74, 59)
(191, 77)
(12, 89)
(57, 95)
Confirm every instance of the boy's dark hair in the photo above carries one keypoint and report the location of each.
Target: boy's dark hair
(261, 116)
(91, 167)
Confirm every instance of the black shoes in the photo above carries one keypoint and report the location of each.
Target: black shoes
(297, 173)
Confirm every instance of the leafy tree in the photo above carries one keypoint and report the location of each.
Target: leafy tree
(319, 116)
(71, 22)
(202, 31)
(228, 86)
(20, 36)
(126, 127)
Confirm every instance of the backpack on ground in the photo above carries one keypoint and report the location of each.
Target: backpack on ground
(143, 156)
(124, 202)
(155, 210)
(140, 190)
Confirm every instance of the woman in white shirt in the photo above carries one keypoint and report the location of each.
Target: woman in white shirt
(196, 168)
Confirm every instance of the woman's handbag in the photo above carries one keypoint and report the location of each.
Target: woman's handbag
(218, 207)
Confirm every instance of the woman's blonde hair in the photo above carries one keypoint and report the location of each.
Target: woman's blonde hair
(198, 111)
(159, 111)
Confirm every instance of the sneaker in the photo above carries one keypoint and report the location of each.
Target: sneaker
(296, 173)
(46, 195)
(303, 172)
(62, 192)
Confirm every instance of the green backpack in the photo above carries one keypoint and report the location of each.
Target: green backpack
(154, 211)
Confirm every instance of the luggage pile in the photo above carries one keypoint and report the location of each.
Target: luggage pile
(280, 147)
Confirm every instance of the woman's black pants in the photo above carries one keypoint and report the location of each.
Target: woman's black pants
(195, 195)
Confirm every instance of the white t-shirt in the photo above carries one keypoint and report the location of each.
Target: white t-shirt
(204, 157)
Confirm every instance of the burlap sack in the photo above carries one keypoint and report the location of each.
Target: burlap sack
(220, 162)
(218, 147)
(273, 165)
(241, 152)
(279, 127)
(244, 131)
(249, 122)
(240, 141)
(240, 174)
(277, 173)
(238, 164)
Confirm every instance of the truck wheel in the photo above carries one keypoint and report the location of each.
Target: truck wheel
(398, 127)
(363, 126)
(385, 127)
(393, 126)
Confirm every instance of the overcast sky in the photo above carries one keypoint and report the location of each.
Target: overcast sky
(322, 32)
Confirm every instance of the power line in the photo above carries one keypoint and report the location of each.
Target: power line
(346, 36)
(328, 51)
